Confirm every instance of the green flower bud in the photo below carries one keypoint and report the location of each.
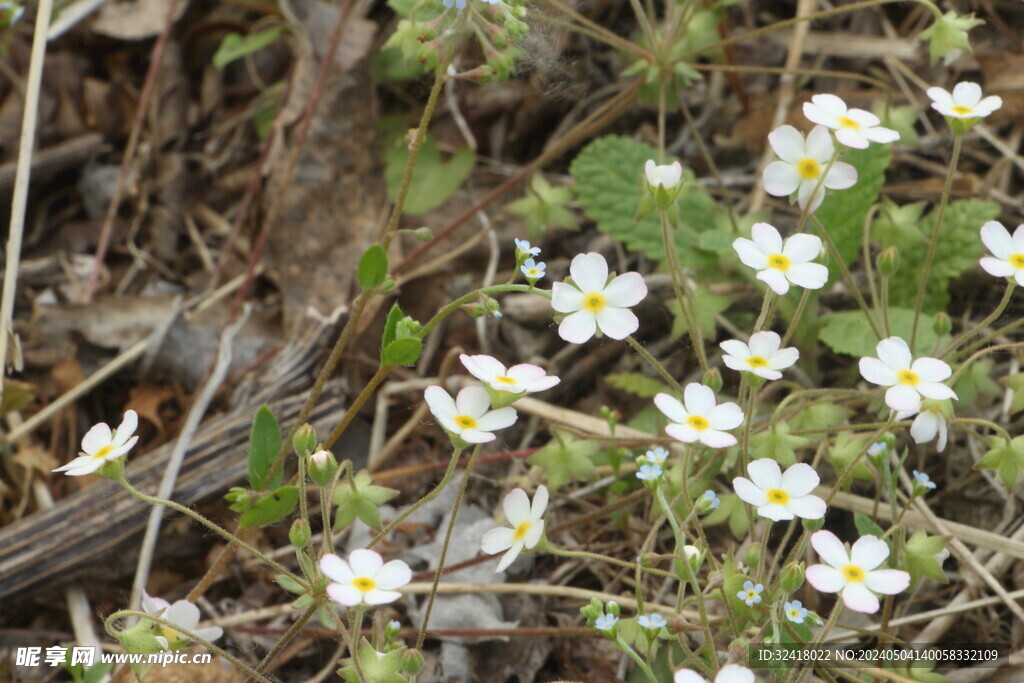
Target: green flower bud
(412, 662)
(812, 525)
(304, 442)
(613, 608)
(322, 467)
(888, 262)
(753, 556)
(712, 379)
(947, 37)
(423, 234)
(942, 324)
(300, 533)
(792, 576)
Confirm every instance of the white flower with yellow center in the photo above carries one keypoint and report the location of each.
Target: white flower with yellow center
(1007, 258)
(526, 526)
(854, 127)
(364, 579)
(802, 167)
(182, 614)
(100, 445)
(855, 574)
(730, 673)
(795, 611)
(596, 304)
(779, 496)
(518, 379)
(468, 417)
(908, 379)
(965, 102)
(761, 356)
(533, 270)
(929, 425)
(780, 263)
(697, 418)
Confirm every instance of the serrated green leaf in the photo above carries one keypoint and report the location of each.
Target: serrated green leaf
(405, 351)
(637, 384)
(271, 509)
(433, 180)
(849, 333)
(843, 211)
(264, 445)
(566, 459)
(235, 46)
(373, 268)
(866, 526)
(607, 174)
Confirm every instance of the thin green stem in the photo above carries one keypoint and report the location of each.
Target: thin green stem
(850, 284)
(991, 318)
(653, 362)
(585, 555)
(356, 630)
(767, 309)
(1006, 329)
(467, 298)
(984, 352)
(325, 517)
(635, 656)
(367, 391)
(422, 501)
(682, 292)
(288, 637)
(833, 618)
(795, 320)
(848, 470)
(985, 423)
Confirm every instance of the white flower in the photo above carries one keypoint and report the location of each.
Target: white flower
(802, 165)
(518, 379)
(853, 127)
(533, 270)
(667, 176)
(781, 263)
(364, 579)
(524, 246)
(730, 673)
(652, 622)
(750, 594)
(182, 614)
(700, 419)
(929, 425)
(467, 416)
(908, 379)
(779, 496)
(1007, 258)
(649, 472)
(606, 622)
(596, 304)
(922, 479)
(655, 456)
(760, 356)
(795, 611)
(100, 446)
(855, 573)
(526, 526)
(965, 102)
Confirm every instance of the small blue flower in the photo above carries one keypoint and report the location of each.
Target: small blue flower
(649, 472)
(656, 456)
(750, 594)
(606, 622)
(652, 622)
(533, 270)
(876, 449)
(922, 479)
(521, 245)
(709, 501)
(795, 611)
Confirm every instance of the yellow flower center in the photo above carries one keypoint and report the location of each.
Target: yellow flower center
(521, 531)
(697, 422)
(908, 377)
(465, 421)
(848, 123)
(364, 584)
(594, 302)
(779, 262)
(960, 109)
(501, 379)
(102, 453)
(1017, 260)
(793, 614)
(757, 361)
(853, 573)
(809, 169)
(170, 634)
(777, 496)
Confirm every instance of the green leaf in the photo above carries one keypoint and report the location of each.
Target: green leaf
(359, 499)
(843, 211)
(235, 46)
(842, 453)
(922, 550)
(649, 420)
(566, 459)
(637, 384)
(289, 584)
(1016, 384)
(271, 509)
(433, 181)
(544, 207)
(731, 510)
(820, 416)
(391, 327)
(866, 526)
(264, 445)
(1005, 458)
(778, 444)
(849, 333)
(405, 351)
(956, 251)
(607, 174)
(976, 380)
(373, 268)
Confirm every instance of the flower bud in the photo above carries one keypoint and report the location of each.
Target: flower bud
(300, 533)
(423, 234)
(412, 662)
(812, 525)
(753, 555)
(678, 624)
(613, 608)
(888, 262)
(792, 576)
(941, 324)
(304, 441)
(322, 467)
(712, 379)
(707, 502)
(694, 557)
(663, 182)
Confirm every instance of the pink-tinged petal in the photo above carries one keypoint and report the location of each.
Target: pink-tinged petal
(497, 419)
(749, 492)
(775, 279)
(998, 268)
(534, 535)
(967, 94)
(888, 581)
(810, 196)
(589, 272)
(766, 238)
(380, 597)
(698, 399)
(749, 254)
(903, 397)
(473, 401)
(895, 353)
(799, 480)
(807, 507)
(365, 562)
(542, 383)
(687, 676)
(852, 138)
(829, 104)
(484, 368)
(127, 427)
(868, 552)
(830, 549)
(857, 597)
(336, 569)
(765, 474)
(626, 290)
(925, 427)
(935, 390)
(784, 358)
(997, 239)
(497, 540)
(824, 578)
(808, 275)
(671, 407)
(780, 179)
(735, 347)
(764, 344)
(509, 557)
(392, 575)
(931, 370)
(712, 438)
(787, 143)
(881, 135)
(525, 373)
(725, 416)
(578, 327)
(877, 372)
(517, 507)
(684, 433)
(988, 105)
(151, 605)
(840, 176)
(441, 404)
(617, 323)
(349, 596)
(802, 248)
(817, 114)
(540, 503)
(775, 512)
(566, 298)
(819, 145)
(734, 673)
(96, 438)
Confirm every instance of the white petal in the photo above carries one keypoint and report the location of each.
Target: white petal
(807, 507)
(895, 353)
(713, 438)
(510, 556)
(788, 143)
(617, 323)
(775, 279)
(988, 105)
(925, 427)
(967, 94)
(868, 552)
(365, 562)
(209, 634)
(799, 480)
(998, 268)
(671, 407)
(626, 290)
(184, 614)
(802, 248)
(96, 438)
(766, 238)
(857, 597)
(775, 512)
(830, 548)
(540, 504)
(497, 540)
(931, 370)
(997, 239)
(819, 145)
(888, 581)
(80, 466)
(127, 427)
(534, 535)
(392, 575)
(589, 272)
(935, 390)
(737, 349)
(441, 404)
(840, 176)
(852, 138)
(816, 114)
(682, 432)
(764, 344)
(749, 492)
(810, 195)
(698, 399)
(566, 298)
(765, 473)
(734, 673)
(903, 397)
(749, 254)
(780, 179)
(784, 358)
(380, 597)
(881, 135)
(940, 96)
(687, 676)
(473, 401)
(578, 327)
(497, 419)
(877, 372)
(825, 578)
(517, 507)
(349, 596)
(484, 368)
(807, 275)
(831, 105)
